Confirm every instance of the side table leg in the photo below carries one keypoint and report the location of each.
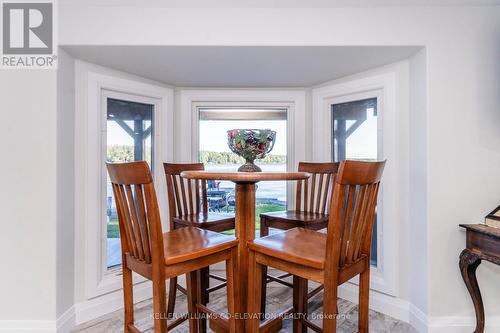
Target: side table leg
(469, 261)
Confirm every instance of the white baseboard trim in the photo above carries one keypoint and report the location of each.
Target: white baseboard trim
(388, 305)
(418, 319)
(108, 303)
(454, 324)
(28, 326)
(66, 322)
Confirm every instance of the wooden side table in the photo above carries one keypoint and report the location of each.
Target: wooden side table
(245, 231)
(483, 243)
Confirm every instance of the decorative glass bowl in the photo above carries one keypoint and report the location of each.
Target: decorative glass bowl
(251, 144)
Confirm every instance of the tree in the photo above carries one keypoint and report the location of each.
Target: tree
(120, 153)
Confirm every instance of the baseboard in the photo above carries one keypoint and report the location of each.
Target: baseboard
(28, 326)
(106, 304)
(418, 319)
(66, 322)
(388, 305)
(454, 324)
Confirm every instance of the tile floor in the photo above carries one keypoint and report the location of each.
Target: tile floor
(278, 298)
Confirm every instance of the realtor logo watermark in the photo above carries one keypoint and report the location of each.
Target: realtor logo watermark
(28, 35)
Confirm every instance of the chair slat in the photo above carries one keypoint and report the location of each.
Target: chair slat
(183, 194)
(346, 221)
(367, 218)
(177, 196)
(197, 195)
(313, 192)
(135, 222)
(190, 195)
(123, 232)
(326, 194)
(355, 238)
(355, 221)
(144, 225)
(122, 200)
(298, 196)
(204, 196)
(320, 191)
(306, 195)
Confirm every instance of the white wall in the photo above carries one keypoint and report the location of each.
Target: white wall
(28, 198)
(417, 192)
(462, 52)
(65, 183)
(461, 117)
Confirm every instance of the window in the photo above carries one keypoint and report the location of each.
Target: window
(355, 136)
(129, 133)
(96, 132)
(368, 107)
(214, 152)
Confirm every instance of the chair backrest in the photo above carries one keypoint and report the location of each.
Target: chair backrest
(184, 197)
(313, 194)
(352, 212)
(138, 213)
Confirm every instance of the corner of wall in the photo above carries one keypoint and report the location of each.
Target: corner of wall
(65, 184)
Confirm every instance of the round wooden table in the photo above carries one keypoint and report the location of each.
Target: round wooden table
(245, 220)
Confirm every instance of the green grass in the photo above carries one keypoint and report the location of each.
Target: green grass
(114, 231)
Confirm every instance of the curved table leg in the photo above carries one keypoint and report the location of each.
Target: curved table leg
(469, 261)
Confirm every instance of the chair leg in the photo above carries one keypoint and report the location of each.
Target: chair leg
(128, 297)
(172, 294)
(232, 298)
(204, 284)
(364, 292)
(192, 300)
(299, 304)
(159, 306)
(254, 302)
(264, 231)
(330, 307)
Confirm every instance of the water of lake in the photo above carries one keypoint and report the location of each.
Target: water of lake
(265, 190)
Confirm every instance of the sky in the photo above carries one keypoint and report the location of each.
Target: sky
(213, 135)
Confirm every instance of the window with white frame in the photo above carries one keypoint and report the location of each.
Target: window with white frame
(214, 152)
(357, 119)
(129, 137)
(122, 120)
(355, 136)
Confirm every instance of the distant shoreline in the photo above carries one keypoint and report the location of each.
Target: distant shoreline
(217, 157)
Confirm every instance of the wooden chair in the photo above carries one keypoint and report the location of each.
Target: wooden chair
(311, 212)
(157, 256)
(189, 207)
(330, 259)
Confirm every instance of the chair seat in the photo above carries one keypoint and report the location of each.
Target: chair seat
(297, 217)
(204, 221)
(188, 243)
(297, 245)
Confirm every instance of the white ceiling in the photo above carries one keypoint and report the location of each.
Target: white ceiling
(242, 66)
(278, 3)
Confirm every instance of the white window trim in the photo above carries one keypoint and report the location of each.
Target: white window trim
(384, 276)
(98, 279)
(292, 100)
